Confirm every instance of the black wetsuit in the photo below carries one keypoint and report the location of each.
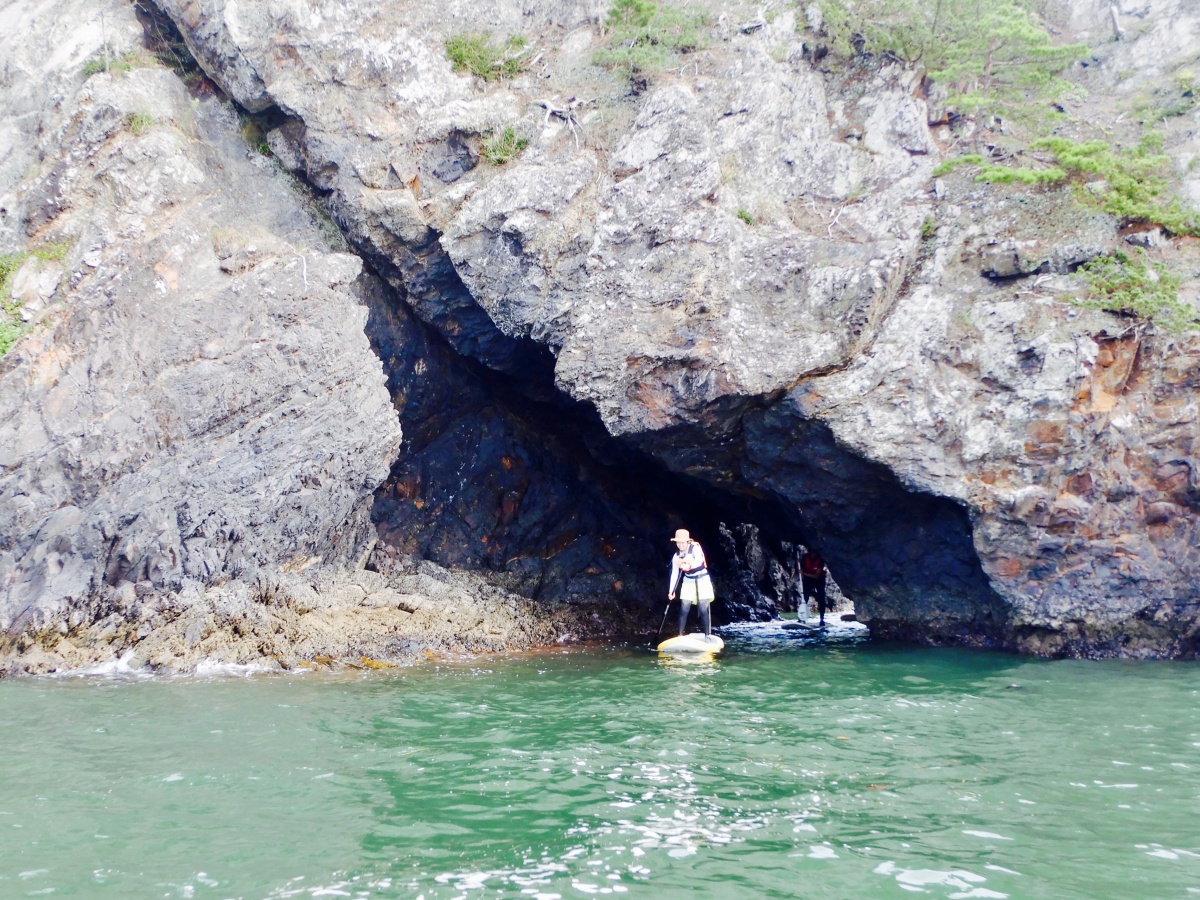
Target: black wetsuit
(812, 577)
(705, 616)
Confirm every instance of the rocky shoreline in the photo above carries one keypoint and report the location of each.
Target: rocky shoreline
(318, 620)
(277, 302)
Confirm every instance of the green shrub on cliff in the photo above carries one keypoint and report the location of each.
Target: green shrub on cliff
(993, 57)
(10, 332)
(647, 37)
(139, 122)
(1137, 287)
(1133, 185)
(1000, 174)
(11, 326)
(499, 147)
(481, 55)
(108, 60)
(9, 263)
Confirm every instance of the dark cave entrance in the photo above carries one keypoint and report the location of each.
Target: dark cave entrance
(506, 475)
(502, 473)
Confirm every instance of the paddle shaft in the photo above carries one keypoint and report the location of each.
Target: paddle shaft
(678, 582)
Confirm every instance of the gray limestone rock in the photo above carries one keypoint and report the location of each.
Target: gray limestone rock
(195, 400)
(743, 265)
(729, 266)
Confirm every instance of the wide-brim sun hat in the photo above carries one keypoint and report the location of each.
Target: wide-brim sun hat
(682, 535)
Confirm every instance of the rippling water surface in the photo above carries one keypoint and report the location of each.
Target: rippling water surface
(787, 768)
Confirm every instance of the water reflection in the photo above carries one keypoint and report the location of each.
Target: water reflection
(809, 768)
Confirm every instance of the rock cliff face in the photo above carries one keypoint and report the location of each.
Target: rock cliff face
(980, 461)
(729, 291)
(197, 399)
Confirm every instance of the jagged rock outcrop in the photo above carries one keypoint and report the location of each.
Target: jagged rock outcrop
(196, 425)
(320, 619)
(730, 266)
(733, 291)
(196, 400)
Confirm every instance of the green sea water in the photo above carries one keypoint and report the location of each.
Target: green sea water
(788, 767)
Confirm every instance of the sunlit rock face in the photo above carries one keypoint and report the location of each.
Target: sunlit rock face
(730, 266)
(195, 400)
(731, 292)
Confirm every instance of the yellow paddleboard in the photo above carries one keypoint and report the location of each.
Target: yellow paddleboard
(692, 643)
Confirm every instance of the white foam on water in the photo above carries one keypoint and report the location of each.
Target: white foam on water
(1163, 854)
(820, 851)
(967, 883)
(986, 834)
(174, 776)
(995, 868)
(209, 668)
(119, 666)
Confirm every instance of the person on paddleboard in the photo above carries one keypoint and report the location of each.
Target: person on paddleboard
(689, 579)
(812, 579)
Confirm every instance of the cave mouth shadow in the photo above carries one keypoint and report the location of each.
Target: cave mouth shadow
(505, 475)
(571, 513)
(508, 476)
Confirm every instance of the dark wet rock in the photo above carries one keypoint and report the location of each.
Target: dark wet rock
(861, 388)
(491, 480)
(198, 401)
(731, 295)
(740, 587)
